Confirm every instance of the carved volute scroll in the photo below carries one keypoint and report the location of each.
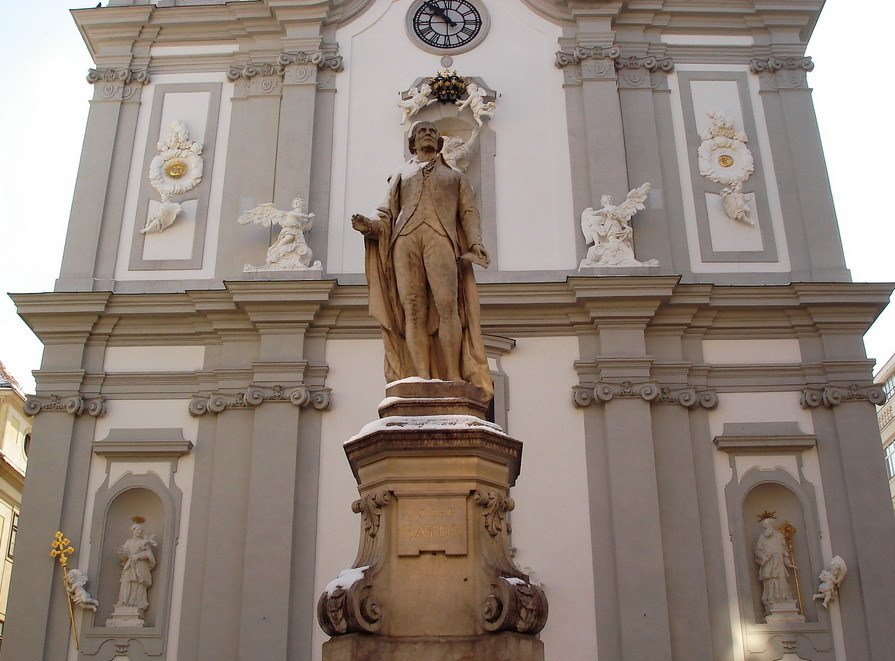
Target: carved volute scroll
(513, 603)
(348, 604)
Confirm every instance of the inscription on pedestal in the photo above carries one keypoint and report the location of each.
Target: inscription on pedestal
(432, 524)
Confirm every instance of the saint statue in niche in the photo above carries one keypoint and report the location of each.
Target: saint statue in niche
(774, 561)
(137, 562)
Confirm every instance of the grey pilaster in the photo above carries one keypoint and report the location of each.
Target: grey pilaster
(36, 587)
(682, 538)
(251, 164)
(640, 79)
(784, 79)
(102, 173)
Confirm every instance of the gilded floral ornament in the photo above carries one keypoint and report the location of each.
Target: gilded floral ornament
(176, 169)
(725, 159)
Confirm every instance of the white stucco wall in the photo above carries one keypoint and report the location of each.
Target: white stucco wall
(551, 524)
(532, 168)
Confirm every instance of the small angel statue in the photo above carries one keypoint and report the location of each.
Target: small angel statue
(76, 582)
(735, 205)
(164, 216)
(609, 230)
(456, 151)
(290, 251)
(830, 579)
(481, 109)
(419, 99)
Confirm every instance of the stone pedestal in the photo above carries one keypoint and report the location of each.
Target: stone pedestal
(784, 611)
(125, 616)
(433, 579)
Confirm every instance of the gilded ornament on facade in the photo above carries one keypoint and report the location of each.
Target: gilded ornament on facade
(725, 159)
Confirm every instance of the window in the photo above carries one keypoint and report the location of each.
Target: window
(890, 463)
(889, 387)
(10, 551)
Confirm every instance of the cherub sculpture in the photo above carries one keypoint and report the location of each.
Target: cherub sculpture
(609, 230)
(77, 591)
(735, 204)
(290, 251)
(830, 580)
(456, 151)
(163, 218)
(481, 109)
(419, 99)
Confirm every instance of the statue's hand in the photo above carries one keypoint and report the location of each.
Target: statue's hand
(479, 251)
(363, 225)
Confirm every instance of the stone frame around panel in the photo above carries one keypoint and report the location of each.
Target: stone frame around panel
(165, 445)
(756, 184)
(202, 192)
(763, 641)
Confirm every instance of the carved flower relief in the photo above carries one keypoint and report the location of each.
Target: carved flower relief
(175, 171)
(725, 160)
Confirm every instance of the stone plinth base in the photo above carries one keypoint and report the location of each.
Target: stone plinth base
(504, 646)
(785, 611)
(424, 398)
(125, 616)
(434, 579)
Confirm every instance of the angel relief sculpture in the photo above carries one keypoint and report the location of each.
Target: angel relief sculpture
(456, 151)
(290, 251)
(610, 232)
(418, 99)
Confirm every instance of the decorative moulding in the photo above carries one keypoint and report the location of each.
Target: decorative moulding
(581, 53)
(651, 63)
(650, 391)
(156, 443)
(123, 76)
(830, 396)
(74, 404)
(765, 444)
(301, 396)
(773, 64)
(320, 59)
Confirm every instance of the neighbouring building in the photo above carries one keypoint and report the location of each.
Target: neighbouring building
(15, 438)
(886, 416)
(697, 368)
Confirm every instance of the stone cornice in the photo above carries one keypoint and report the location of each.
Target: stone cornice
(509, 309)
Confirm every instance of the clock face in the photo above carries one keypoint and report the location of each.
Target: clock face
(447, 25)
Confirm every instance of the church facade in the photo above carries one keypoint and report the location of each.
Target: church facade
(683, 363)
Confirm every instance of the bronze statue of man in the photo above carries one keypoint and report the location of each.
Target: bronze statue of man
(419, 255)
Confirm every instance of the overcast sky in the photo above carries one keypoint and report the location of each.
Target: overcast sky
(44, 107)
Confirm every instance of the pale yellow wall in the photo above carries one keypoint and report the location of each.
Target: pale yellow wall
(14, 425)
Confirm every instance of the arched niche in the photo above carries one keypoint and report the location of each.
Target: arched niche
(133, 502)
(773, 496)
(132, 494)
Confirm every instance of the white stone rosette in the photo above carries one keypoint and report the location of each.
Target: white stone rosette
(725, 160)
(178, 167)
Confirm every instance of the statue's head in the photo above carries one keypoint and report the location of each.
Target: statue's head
(427, 129)
(298, 204)
(76, 577)
(137, 530)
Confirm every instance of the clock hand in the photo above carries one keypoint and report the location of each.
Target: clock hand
(440, 12)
